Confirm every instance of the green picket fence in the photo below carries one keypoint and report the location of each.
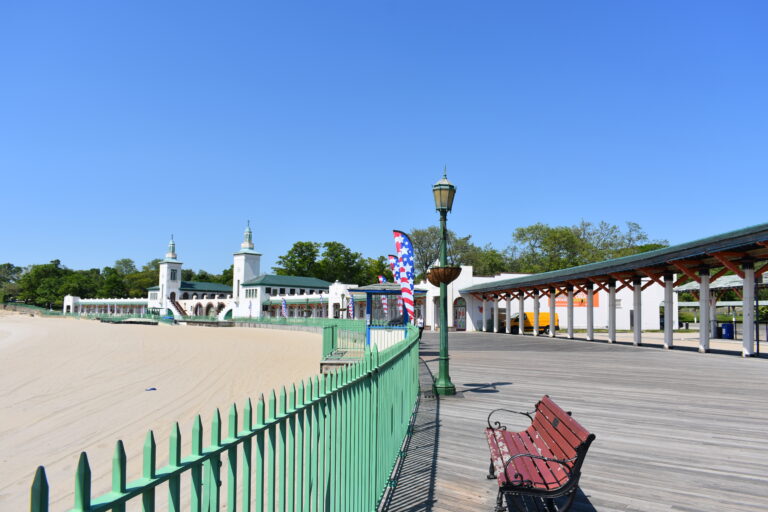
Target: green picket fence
(328, 444)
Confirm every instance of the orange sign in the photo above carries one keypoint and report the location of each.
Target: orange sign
(579, 300)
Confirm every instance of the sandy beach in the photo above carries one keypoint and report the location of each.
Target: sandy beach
(69, 385)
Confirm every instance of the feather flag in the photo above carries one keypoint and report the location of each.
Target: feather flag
(384, 299)
(351, 307)
(285, 309)
(395, 266)
(405, 260)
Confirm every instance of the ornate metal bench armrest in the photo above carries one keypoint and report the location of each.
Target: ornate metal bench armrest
(498, 425)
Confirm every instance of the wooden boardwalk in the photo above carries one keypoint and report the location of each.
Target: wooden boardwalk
(677, 431)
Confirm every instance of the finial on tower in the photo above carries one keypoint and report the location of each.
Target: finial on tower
(247, 238)
(445, 171)
(171, 254)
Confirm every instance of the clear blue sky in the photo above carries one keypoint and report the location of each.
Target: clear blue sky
(123, 122)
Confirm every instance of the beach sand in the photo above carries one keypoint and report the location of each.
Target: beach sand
(69, 385)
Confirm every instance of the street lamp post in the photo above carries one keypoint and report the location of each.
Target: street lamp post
(444, 191)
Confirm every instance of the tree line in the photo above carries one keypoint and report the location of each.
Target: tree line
(47, 284)
(535, 248)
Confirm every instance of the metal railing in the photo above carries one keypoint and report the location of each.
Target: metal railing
(329, 443)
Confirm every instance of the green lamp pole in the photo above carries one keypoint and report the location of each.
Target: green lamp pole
(444, 191)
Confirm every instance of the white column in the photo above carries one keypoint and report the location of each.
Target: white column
(495, 314)
(704, 312)
(552, 324)
(521, 313)
(590, 312)
(748, 307)
(669, 328)
(638, 305)
(611, 311)
(507, 318)
(570, 311)
(535, 312)
(484, 327)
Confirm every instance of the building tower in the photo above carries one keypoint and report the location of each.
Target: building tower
(246, 265)
(170, 277)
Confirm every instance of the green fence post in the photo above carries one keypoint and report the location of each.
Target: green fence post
(148, 472)
(290, 452)
(119, 463)
(259, 463)
(232, 460)
(214, 465)
(298, 488)
(281, 474)
(247, 429)
(174, 460)
(197, 470)
(39, 492)
(83, 484)
(270, 490)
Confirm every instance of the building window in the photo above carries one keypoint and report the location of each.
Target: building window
(282, 291)
(301, 291)
(311, 292)
(268, 290)
(173, 274)
(292, 291)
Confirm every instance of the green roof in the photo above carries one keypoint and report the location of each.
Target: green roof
(302, 299)
(199, 286)
(287, 281)
(741, 239)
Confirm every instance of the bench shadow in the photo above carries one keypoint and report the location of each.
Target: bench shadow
(486, 387)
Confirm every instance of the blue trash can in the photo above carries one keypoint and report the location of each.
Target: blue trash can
(728, 331)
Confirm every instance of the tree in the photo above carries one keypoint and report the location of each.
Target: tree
(426, 248)
(300, 260)
(227, 275)
(112, 284)
(372, 268)
(152, 265)
(125, 266)
(339, 263)
(487, 261)
(40, 285)
(9, 276)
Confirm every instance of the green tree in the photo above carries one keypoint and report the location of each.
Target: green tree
(426, 248)
(486, 261)
(112, 285)
(227, 275)
(40, 285)
(300, 260)
(125, 266)
(136, 284)
(372, 268)
(152, 266)
(9, 277)
(340, 263)
(187, 274)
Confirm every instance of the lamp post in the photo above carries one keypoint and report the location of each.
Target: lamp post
(444, 192)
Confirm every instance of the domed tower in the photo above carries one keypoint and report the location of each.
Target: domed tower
(247, 264)
(170, 276)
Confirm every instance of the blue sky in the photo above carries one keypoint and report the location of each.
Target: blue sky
(123, 122)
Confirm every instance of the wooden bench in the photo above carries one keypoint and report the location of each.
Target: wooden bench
(544, 461)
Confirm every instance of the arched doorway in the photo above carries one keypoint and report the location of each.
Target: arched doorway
(198, 310)
(460, 314)
(220, 308)
(185, 296)
(209, 310)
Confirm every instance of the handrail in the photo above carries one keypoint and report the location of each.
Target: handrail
(330, 442)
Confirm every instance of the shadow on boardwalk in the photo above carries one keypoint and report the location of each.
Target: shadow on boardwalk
(417, 477)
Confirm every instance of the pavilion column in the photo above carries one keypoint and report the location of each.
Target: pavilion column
(495, 314)
(521, 313)
(748, 308)
(484, 327)
(668, 310)
(507, 318)
(552, 324)
(704, 311)
(637, 284)
(536, 312)
(611, 311)
(570, 311)
(590, 312)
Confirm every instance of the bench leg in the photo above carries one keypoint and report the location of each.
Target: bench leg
(491, 472)
(500, 502)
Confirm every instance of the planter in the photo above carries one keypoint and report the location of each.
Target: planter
(439, 275)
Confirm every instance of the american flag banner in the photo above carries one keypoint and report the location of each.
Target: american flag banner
(384, 299)
(285, 309)
(395, 266)
(351, 307)
(405, 259)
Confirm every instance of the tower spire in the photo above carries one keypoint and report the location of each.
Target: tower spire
(247, 238)
(171, 254)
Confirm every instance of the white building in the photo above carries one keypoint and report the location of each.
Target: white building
(465, 311)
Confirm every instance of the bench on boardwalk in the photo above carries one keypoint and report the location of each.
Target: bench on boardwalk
(544, 461)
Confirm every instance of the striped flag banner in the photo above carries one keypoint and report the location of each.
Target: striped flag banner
(284, 309)
(351, 307)
(395, 266)
(405, 259)
(384, 299)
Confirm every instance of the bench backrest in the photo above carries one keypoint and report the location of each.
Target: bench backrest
(564, 436)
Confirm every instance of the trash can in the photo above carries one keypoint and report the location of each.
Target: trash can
(728, 331)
